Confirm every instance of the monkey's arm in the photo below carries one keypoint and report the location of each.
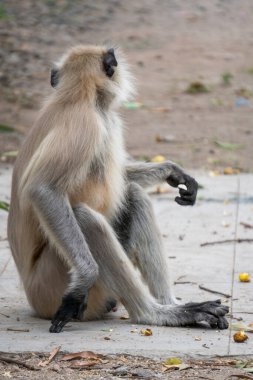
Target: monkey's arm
(60, 225)
(148, 174)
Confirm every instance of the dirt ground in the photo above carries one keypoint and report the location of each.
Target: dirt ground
(170, 45)
(34, 366)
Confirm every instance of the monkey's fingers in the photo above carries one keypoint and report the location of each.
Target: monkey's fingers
(70, 308)
(187, 197)
(183, 202)
(57, 326)
(59, 321)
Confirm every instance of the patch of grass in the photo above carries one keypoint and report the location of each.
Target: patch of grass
(227, 78)
(228, 146)
(244, 92)
(6, 129)
(197, 88)
(50, 3)
(3, 13)
(4, 206)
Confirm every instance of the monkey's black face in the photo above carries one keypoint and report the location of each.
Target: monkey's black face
(109, 61)
(54, 77)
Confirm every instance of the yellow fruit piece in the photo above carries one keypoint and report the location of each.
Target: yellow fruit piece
(229, 171)
(158, 158)
(146, 332)
(244, 277)
(173, 361)
(240, 337)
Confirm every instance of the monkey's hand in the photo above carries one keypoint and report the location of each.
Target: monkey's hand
(187, 196)
(70, 308)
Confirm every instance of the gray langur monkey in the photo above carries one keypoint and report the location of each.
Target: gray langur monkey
(80, 221)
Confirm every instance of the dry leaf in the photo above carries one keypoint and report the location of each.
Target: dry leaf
(7, 374)
(242, 327)
(160, 109)
(214, 173)
(124, 317)
(146, 332)
(82, 355)
(240, 337)
(230, 171)
(225, 224)
(79, 364)
(53, 353)
(244, 277)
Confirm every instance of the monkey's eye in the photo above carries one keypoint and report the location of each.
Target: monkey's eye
(109, 61)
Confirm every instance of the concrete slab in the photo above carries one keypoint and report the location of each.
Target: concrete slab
(223, 203)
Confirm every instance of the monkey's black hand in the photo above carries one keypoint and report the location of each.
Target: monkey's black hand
(71, 308)
(187, 197)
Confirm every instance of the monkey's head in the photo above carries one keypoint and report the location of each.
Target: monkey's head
(92, 72)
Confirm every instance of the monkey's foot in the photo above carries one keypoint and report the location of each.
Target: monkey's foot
(71, 308)
(211, 313)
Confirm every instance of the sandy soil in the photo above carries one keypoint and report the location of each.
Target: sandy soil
(169, 44)
(116, 367)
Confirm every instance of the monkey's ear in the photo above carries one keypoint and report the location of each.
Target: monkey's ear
(109, 61)
(54, 77)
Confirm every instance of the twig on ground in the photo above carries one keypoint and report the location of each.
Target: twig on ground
(246, 225)
(18, 362)
(5, 315)
(53, 353)
(239, 377)
(17, 330)
(226, 241)
(183, 282)
(214, 291)
(5, 266)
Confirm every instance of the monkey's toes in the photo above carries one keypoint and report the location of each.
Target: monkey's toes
(222, 323)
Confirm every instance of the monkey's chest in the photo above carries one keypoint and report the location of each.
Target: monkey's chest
(103, 196)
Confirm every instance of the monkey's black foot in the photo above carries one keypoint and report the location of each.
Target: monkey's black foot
(111, 305)
(71, 308)
(211, 313)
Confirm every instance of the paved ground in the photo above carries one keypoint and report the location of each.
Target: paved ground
(223, 203)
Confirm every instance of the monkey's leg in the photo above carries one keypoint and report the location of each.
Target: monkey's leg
(47, 283)
(117, 273)
(138, 233)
